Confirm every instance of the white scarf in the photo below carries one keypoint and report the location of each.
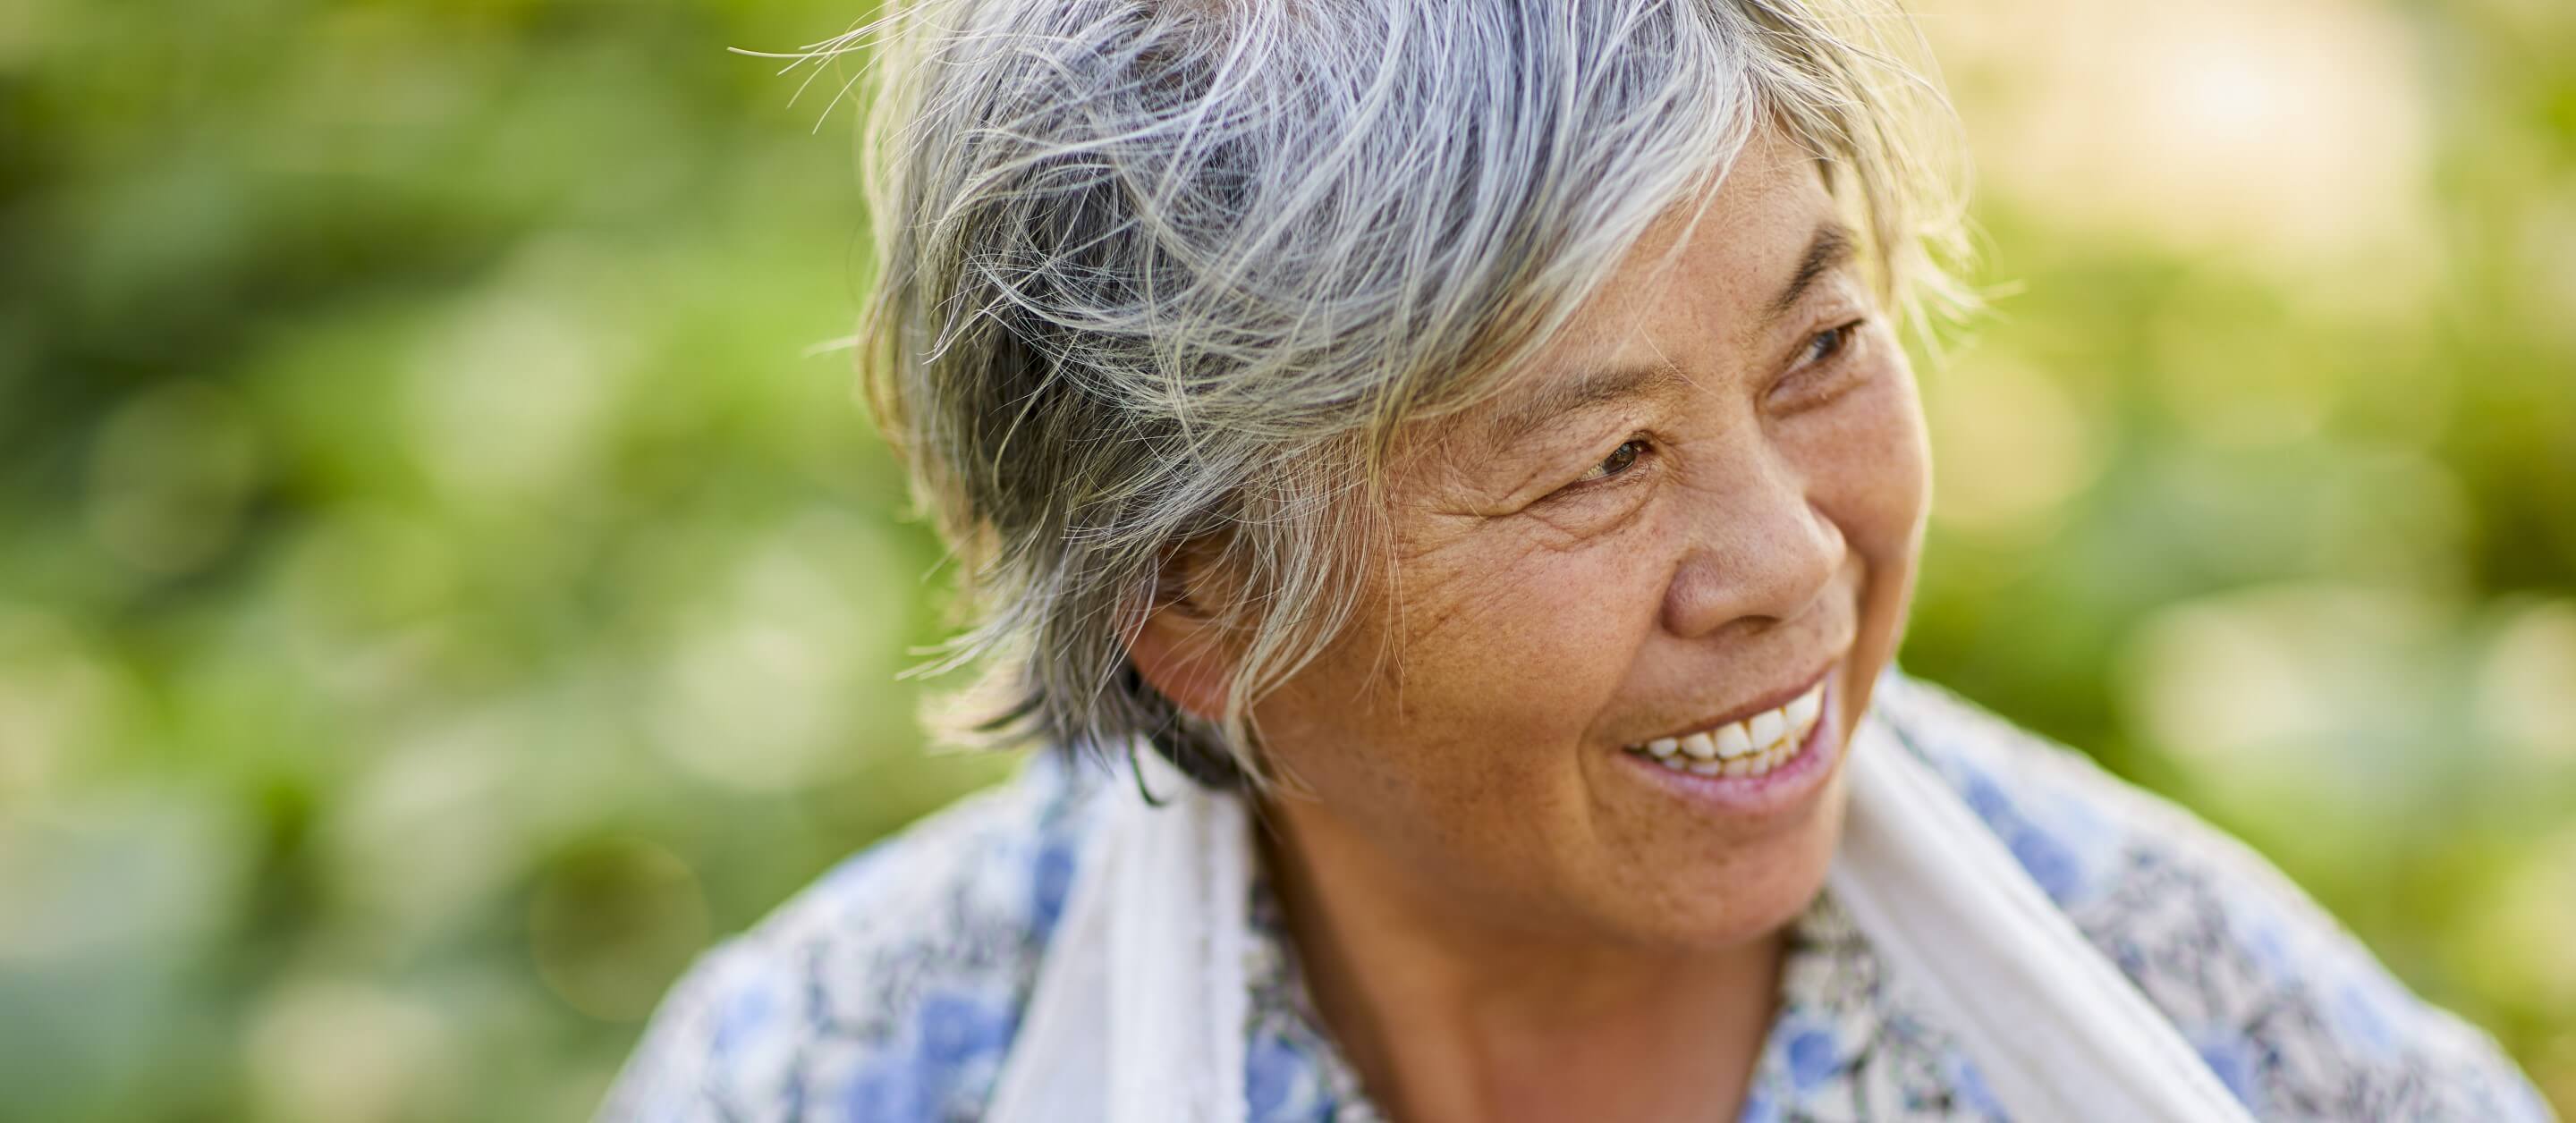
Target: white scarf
(1138, 1012)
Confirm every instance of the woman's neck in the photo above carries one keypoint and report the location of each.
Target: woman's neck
(1448, 1015)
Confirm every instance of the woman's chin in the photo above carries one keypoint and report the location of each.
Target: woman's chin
(1723, 894)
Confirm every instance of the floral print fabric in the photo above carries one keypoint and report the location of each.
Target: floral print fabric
(891, 989)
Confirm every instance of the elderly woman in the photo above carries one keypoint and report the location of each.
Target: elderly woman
(1441, 481)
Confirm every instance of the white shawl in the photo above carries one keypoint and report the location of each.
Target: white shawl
(1138, 1012)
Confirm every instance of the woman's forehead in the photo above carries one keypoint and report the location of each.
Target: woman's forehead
(1710, 279)
(1733, 251)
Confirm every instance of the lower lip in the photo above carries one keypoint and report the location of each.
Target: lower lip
(1783, 787)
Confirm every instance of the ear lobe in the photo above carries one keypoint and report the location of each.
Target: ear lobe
(1182, 651)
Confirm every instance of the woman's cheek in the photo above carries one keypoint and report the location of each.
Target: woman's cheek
(1880, 502)
(1549, 614)
(1869, 467)
(1524, 641)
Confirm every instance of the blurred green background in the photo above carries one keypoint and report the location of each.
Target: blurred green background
(443, 585)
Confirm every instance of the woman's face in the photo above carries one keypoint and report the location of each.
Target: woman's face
(1705, 503)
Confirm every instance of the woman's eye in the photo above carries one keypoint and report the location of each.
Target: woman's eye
(1620, 460)
(1828, 343)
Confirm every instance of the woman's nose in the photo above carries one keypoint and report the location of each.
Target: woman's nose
(1760, 551)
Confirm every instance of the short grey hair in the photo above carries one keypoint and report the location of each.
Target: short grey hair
(1159, 275)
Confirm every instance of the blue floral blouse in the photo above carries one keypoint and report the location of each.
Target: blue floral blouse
(890, 990)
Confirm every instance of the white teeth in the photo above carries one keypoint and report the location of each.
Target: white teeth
(1752, 747)
(1803, 709)
(1680, 757)
(1767, 727)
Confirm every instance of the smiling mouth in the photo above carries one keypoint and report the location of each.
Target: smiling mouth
(1752, 746)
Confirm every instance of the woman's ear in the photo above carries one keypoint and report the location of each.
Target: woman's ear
(1181, 647)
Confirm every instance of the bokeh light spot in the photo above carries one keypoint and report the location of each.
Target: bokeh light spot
(613, 922)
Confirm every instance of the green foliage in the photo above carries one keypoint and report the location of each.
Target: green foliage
(443, 585)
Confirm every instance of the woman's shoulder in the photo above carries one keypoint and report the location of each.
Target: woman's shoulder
(888, 989)
(2293, 1014)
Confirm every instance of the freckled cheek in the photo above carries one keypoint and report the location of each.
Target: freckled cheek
(1870, 473)
(1876, 492)
(1513, 645)
(1544, 645)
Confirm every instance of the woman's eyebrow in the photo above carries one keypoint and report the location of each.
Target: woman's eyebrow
(1581, 392)
(1830, 249)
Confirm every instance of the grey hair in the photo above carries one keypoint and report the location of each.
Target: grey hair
(1165, 275)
